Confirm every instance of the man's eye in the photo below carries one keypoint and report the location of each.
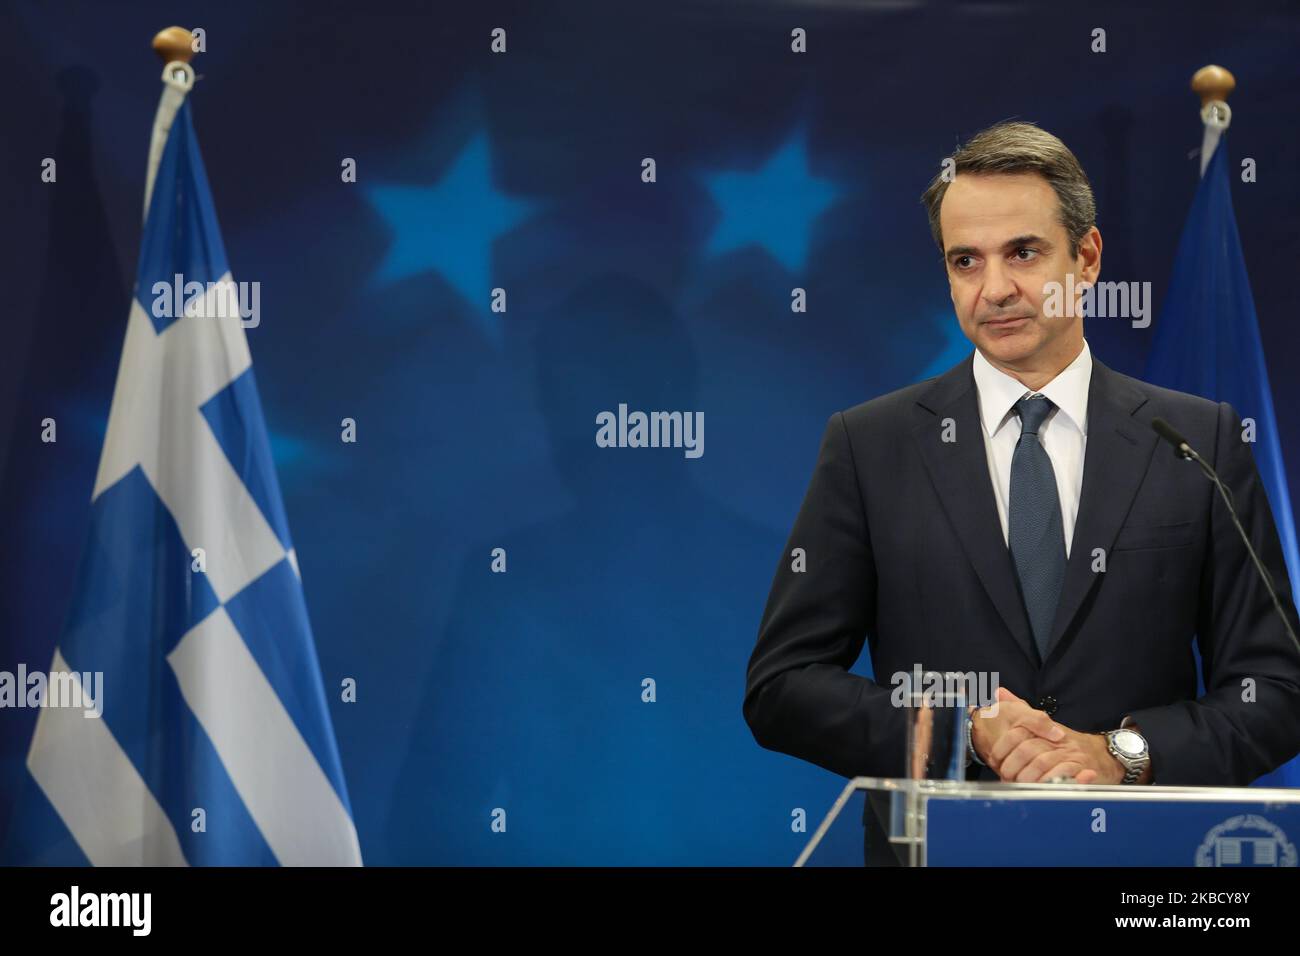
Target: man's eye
(1032, 253)
(960, 262)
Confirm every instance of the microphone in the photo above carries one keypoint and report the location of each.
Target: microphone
(1167, 432)
(1182, 449)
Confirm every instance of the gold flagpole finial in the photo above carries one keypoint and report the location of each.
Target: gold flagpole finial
(1213, 84)
(175, 44)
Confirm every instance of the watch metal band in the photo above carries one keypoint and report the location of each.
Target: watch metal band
(970, 740)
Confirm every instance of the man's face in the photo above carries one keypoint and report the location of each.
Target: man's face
(1003, 244)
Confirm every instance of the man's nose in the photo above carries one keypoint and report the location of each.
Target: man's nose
(999, 286)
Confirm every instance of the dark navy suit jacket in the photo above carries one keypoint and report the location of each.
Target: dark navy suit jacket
(905, 552)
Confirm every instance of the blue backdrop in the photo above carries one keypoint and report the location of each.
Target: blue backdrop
(476, 428)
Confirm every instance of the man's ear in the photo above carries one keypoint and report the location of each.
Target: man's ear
(1088, 263)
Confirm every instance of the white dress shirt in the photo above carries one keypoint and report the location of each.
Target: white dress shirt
(1063, 434)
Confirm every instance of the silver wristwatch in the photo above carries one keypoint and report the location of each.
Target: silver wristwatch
(1130, 748)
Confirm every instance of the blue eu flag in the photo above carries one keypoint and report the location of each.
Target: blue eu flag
(1207, 343)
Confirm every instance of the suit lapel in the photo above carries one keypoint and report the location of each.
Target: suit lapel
(960, 473)
(1115, 461)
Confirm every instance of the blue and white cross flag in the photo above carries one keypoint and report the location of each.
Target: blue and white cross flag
(213, 742)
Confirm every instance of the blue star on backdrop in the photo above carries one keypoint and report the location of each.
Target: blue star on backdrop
(774, 207)
(449, 227)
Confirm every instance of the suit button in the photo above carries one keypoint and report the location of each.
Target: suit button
(1047, 704)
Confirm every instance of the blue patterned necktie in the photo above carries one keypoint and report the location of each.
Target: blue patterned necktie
(1035, 534)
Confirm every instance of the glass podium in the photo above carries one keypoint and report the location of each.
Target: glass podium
(991, 823)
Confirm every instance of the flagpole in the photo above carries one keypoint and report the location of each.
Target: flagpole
(175, 47)
(1213, 84)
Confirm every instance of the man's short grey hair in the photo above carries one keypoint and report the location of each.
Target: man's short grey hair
(1018, 147)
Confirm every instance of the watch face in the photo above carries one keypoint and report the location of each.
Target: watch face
(1129, 743)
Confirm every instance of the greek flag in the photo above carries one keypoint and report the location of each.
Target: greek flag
(214, 743)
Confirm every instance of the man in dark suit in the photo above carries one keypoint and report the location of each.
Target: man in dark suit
(1018, 517)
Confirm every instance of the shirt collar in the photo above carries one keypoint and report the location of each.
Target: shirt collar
(999, 392)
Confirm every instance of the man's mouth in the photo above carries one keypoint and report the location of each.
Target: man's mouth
(1007, 321)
